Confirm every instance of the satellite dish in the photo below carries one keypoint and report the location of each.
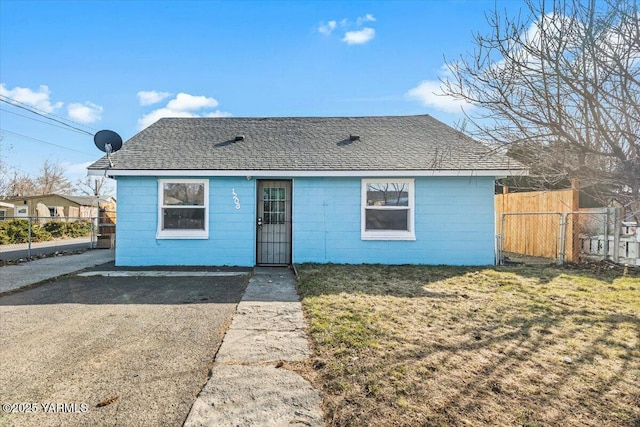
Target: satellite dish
(108, 141)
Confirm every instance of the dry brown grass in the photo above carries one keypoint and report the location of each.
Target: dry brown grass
(447, 346)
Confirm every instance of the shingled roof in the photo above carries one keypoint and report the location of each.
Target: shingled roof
(323, 144)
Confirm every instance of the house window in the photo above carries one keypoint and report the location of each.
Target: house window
(183, 209)
(3, 213)
(387, 209)
(54, 211)
(274, 200)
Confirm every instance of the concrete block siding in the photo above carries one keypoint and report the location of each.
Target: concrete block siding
(231, 231)
(454, 222)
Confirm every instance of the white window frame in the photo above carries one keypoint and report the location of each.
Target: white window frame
(182, 234)
(388, 234)
(54, 213)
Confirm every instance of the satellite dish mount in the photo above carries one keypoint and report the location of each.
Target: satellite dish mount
(109, 142)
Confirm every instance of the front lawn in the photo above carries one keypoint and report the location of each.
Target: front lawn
(449, 346)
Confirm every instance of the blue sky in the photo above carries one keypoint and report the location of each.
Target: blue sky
(121, 65)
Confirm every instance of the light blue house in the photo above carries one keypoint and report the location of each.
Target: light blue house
(274, 191)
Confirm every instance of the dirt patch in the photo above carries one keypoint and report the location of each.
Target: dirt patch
(112, 351)
(411, 345)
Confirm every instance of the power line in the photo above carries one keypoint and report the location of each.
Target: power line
(15, 101)
(31, 110)
(46, 142)
(41, 121)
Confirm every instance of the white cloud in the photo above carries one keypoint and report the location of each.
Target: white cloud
(38, 98)
(218, 113)
(150, 97)
(186, 102)
(85, 113)
(354, 33)
(327, 28)
(428, 92)
(366, 18)
(158, 114)
(76, 168)
(359, 37)
(183, 105)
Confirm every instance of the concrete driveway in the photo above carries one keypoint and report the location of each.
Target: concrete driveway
(111, 351)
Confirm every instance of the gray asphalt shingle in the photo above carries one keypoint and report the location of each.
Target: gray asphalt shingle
(401, 143)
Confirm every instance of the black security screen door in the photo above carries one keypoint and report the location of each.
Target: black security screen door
(274, 223)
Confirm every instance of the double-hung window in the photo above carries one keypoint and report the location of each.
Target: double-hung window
(183, 211)
(388, 209)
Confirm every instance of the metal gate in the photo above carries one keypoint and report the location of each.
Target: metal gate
(560, 237)
(531, 238)
(273, 240)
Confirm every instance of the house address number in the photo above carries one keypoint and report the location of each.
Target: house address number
(236, 199)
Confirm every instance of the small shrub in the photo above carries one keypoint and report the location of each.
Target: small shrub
(15, 231)
(39, 233)
(4, 239)
(60, 229)
(56, 228)
(78, 229)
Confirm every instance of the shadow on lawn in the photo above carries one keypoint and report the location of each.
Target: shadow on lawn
(525, 346)
(543, 360)
(407, 281)
(604, 272)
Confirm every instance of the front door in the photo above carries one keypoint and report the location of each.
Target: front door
(274, 223)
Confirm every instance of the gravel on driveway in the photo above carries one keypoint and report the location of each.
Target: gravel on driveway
(115, 351)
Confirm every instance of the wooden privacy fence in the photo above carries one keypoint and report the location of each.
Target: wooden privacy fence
(533, 223)
(548, 225)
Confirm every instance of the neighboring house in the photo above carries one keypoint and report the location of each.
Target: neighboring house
(60, 205)
(272, 191)
(7, 210)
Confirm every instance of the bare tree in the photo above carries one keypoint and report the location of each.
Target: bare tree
(558, 88)
(52, 179)
(94, 186)
(17, 185)
(4, 171)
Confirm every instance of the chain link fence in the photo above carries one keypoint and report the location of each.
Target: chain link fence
(530, 238)
(30, 237)
(591, 234)
(559, 237)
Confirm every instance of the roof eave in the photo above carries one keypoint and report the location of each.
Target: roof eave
(307, 173)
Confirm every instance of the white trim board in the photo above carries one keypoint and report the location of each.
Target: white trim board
(306, 173)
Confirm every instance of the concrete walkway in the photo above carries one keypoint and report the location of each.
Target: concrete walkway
(17, 276)
(246, 387)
